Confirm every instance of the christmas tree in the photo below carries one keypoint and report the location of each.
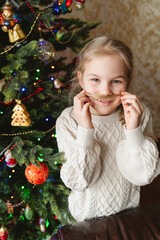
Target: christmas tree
(34, 84)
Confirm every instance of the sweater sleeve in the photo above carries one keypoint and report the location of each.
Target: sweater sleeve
(82, 166)
(137, 155)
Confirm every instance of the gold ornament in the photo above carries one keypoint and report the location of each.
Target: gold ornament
(20, 115)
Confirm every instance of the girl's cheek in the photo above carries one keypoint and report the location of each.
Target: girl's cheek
(122, 89)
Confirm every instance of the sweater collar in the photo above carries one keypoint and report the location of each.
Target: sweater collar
(109, 118)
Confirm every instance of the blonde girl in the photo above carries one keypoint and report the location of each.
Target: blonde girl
(105, 135)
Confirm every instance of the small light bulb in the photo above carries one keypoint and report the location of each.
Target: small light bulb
(23, 89)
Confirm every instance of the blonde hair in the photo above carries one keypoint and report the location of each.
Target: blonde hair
(101, 46)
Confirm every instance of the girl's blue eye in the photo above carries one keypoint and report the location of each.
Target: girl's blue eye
(116, 81)
(95, 79)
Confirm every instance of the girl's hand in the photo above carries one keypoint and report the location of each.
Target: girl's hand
(82, 111)
(132, 110)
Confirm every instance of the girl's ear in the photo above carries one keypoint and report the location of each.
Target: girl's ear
(79, 75)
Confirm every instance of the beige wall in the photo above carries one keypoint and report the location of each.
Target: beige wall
(137, 23)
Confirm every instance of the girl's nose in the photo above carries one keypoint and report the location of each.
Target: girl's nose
(105, 90)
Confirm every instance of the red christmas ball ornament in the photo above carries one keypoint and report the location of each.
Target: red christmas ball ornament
(37, 174)
(3, 233)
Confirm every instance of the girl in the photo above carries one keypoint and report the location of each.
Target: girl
(106, 160)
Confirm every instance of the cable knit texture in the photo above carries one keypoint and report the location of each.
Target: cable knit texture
(105, 166)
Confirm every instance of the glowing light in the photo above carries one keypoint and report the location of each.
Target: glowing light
(47, 223)
(23, 89)
(22, 217)
(52, 67)
(47, 119)
(40, 159)
(38, 70)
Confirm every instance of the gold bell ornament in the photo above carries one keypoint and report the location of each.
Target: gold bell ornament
(20, 116)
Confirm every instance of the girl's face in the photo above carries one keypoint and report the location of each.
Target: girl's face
(104, 75)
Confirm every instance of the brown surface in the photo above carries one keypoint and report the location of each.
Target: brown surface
(135, 224)
(150, 194)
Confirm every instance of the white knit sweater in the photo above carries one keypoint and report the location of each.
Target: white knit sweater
(105, 166)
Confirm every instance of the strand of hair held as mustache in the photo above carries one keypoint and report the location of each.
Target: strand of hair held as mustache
(101, 96)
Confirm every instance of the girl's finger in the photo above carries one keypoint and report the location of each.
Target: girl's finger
(131, 99)
(86, 106)
(135, 104)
